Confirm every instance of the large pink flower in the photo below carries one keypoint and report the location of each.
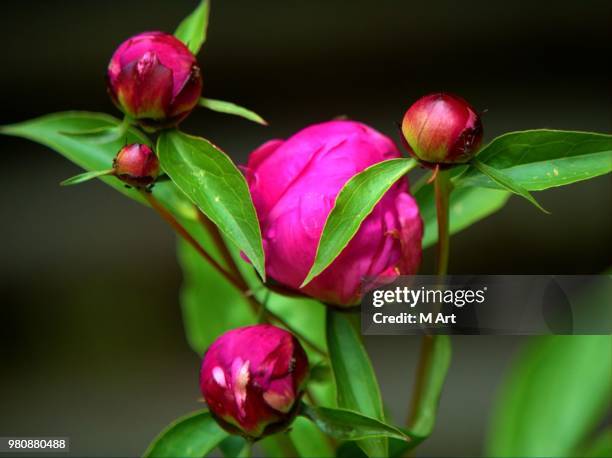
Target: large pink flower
(153, 77)
(252, 378)
(294, 184)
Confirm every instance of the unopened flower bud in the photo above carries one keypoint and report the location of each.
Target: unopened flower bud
(155, 79)
(136, 165)
(294, 184)
(252, 379)
(442, 128)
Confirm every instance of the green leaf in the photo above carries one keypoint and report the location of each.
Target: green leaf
(82, 177)
(192, 436)
(354, 203)
(211, 306)
(47, 130)
(303, 313)
(278, 445)
(350, 449)
(103, 134)
(96, 131)
(600, 447)
(93, 156)
(212, 181)
(192, 29)
(234, 447)
(309, 440)
(221, 106)
(541, 159)
(506, 182)
(203, 322)
(319, 371)
(436, 358)
(467, 206)
(356, 384)
(305, 316)
(555, 393)
(346, 424)
(397, 448)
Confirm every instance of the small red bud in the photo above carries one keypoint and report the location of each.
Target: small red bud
(155, 79)
(442, 128)
(252, 379)
(136, 165)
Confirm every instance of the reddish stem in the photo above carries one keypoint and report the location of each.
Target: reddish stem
(180, 230)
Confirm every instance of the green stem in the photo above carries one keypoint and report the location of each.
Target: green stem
(285, 443)
(443, 189)
(180, 230)
(433, 366)
(238, 280)
(248, 450)
(221, 246)
(259, 309)
(420, 379)
(419, 183)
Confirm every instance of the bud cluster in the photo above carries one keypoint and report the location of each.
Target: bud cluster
(252, 378)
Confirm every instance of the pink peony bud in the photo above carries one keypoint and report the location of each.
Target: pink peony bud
(153, 77)
(442, 129)
(136, 165)
(294, 184)
(252, 378)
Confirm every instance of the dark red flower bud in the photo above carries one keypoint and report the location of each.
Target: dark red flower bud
(442, 129)
(252, 379)
(136, 165)
(154, 78)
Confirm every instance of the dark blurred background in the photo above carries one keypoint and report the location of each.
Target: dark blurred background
(90, 327)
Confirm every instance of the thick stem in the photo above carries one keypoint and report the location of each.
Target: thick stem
(248, 451)
(180, 230)
(229, 261)
(258, 308)
(286, 445)
(237, 281)
(419, 383)
(443, 188)
(221, 246)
